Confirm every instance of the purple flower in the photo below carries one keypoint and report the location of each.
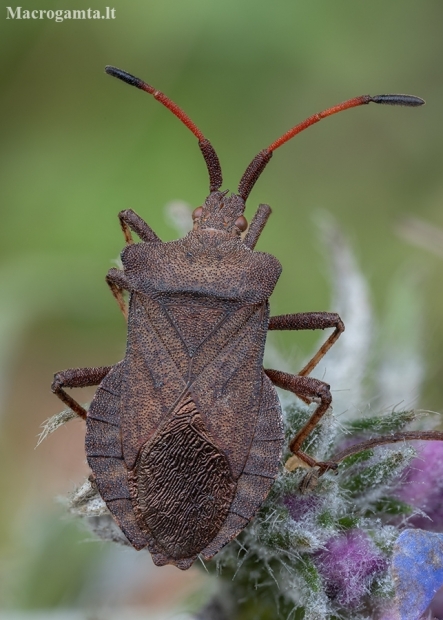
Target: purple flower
(301, 506)
(423, 487)
(348, 565)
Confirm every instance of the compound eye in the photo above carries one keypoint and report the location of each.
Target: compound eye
(241, 223)
(197, 213)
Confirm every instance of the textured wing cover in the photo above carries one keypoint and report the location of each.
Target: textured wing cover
(259, 472)
(182, 486)
(186, 445)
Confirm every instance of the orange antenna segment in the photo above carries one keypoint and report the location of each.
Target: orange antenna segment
(351, 103)
(259, 162)
(210, 156)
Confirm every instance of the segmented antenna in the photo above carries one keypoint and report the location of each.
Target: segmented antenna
(208, 152)
(258, 164)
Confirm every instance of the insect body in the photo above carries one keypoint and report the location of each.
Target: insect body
(184, 436)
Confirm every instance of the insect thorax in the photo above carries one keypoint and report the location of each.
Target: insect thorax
(202, 264)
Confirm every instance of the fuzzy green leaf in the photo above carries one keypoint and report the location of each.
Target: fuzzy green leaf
(391, 422)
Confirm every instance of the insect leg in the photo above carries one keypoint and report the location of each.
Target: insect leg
(77, 377)
(256, 226)
(308, 389)
(129, 220)
(117, 283)
(310, 320)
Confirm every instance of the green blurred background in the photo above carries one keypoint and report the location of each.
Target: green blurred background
(78, 146)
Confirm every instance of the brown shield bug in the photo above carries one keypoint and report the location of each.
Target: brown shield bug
(184, 436)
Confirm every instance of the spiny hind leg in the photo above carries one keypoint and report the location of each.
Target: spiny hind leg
(308, 389)
(310, 320)
(77, 377)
